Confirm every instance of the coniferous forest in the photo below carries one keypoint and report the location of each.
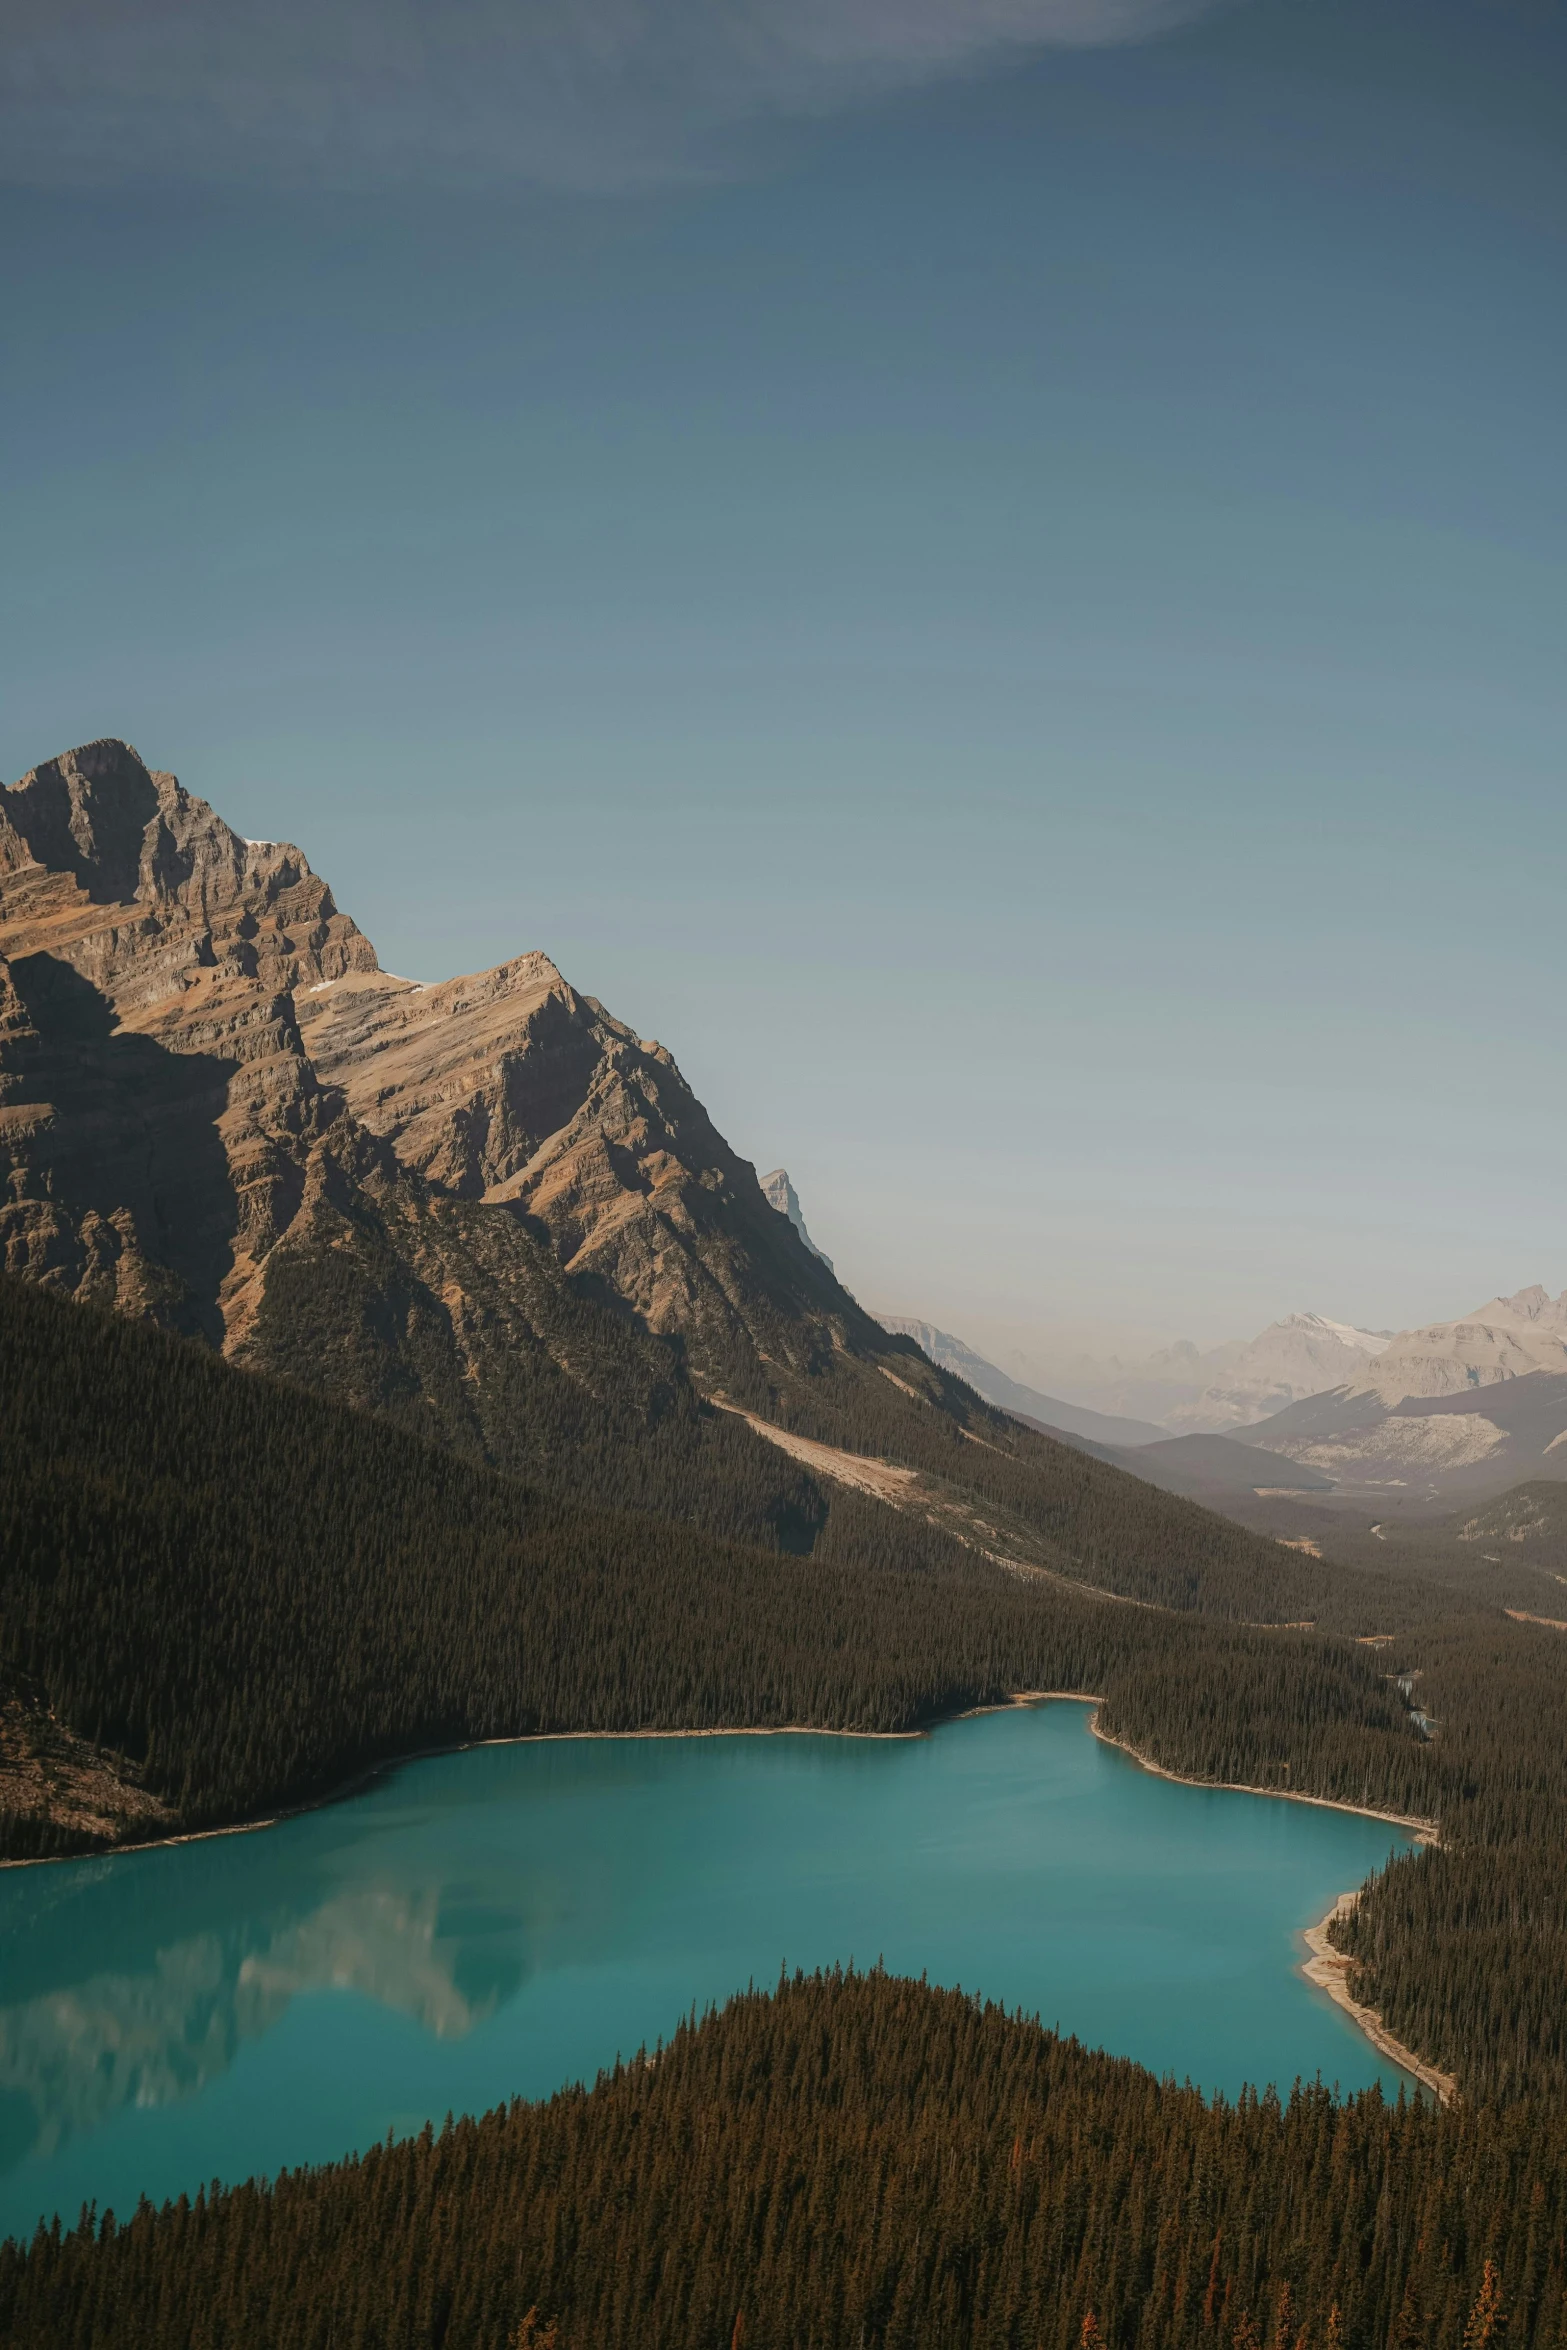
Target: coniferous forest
(241, 1595)
(857, 2160)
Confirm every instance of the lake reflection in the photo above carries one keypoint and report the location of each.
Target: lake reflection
(76, 2053)
(502, 1921)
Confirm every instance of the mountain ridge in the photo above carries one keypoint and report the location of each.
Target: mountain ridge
(217, 1008)
(484, 1209)
(997, 1387)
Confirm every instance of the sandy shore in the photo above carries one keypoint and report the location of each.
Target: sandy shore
(1329, 1969)
(1423, 1831)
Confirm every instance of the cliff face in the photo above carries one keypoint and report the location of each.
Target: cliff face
(216, 1109)
(780, 1194)
(512, 1090)
(1508, 1338)
(157, 1107)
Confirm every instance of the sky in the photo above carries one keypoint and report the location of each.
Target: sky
(992, 575)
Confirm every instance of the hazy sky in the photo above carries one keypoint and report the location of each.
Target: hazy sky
(993, 575)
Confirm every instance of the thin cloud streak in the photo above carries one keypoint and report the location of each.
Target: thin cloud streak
(593, 95)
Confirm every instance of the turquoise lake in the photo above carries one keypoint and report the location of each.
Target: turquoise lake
(501, 1921)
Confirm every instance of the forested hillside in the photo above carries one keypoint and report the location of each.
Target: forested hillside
(485, 1210)
(856, 2160)
(251, 1594)
(220, 1595)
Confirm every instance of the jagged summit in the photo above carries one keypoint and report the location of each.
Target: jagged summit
(1533, 1307)
(87, 838)
(1507, 1338)
(205, 1074)
(780, 1194)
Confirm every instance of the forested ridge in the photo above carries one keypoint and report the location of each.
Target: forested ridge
(578, 1399)
(857, 2160)
(251, 1594)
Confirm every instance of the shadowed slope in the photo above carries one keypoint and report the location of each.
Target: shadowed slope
(484, 1208)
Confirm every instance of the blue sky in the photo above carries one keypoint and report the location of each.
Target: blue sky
(1002, 594)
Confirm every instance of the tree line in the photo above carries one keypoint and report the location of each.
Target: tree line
(254, 1594)
(855, 2160)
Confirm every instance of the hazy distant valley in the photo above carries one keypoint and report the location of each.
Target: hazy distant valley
(1359, 1421)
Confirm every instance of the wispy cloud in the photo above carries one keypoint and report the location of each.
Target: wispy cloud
(592, 94)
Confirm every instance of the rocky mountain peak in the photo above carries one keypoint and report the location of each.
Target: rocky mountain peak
(781, 1196)
(1533, 1307)
(1299, 1356)
(150, 895)
(86, 814)
(1508, 1338)
(202, 1065)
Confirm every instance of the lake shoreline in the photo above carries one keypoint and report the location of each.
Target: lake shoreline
(1425, 1830)
(1326, 1968)
(346, 1789)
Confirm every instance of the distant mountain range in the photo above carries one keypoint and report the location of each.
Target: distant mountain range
(1463, 1407)
(1253, 1378)
(1458, 1408)
(1010, 1395)
(1187, 1390)
(1509, 1338)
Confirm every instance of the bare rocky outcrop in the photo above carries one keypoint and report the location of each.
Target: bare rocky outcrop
(66, 1788)
(510, 1089)
(781, 1195)
(213, 1102)
(157, 1107)
(1508, 1338)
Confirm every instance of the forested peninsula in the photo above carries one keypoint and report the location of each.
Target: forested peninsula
(856, 2159)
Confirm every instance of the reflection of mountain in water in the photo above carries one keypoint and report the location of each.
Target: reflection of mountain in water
(162, 2029)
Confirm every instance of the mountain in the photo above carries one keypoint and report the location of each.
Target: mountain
(1454, 1409)
(1192, 1391)
(1048, 1412)
(780, 1193)
(1427, 1447)
(474, 1203)
(486, 1210)
(1249, 1380)
(1508, 1338)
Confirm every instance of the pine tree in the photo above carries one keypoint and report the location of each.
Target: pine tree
(1488, 2319)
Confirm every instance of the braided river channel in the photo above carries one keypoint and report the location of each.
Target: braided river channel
(501, 1921)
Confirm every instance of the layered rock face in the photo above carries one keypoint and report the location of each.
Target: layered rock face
(1509, 1338)
(217, 1109)
(157, 1108)
(512, 1090)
